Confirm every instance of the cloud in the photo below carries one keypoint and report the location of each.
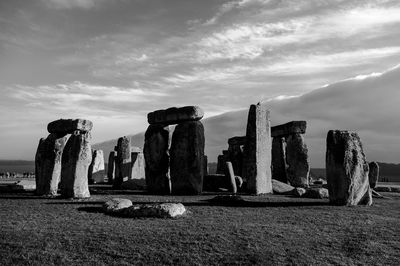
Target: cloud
(71, 4)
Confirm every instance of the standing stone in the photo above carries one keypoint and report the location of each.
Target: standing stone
(373, 174)
(138, 163)
(279, 159)
(96, 167)
(157, 159)
(123, 161)
(76, 159)
(257, 151)
(347, 169)
(187, 152)
(49, 164)
(205, 165)
(235, 149)
(298, 167)
(111, 167)
(231, 175)
(221, 161)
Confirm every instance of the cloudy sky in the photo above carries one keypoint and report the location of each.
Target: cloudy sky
(114, 61)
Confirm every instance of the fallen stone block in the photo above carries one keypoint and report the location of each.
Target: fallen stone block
(175, 115)
(281, 188)
(134, 184)
(68, 126)
(316, 193)
(116, 204)
(23, 186)
(298, 192)
(160, 210)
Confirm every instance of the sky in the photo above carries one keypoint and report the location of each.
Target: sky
(114, 61)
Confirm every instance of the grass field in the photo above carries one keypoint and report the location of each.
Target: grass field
(265, 230)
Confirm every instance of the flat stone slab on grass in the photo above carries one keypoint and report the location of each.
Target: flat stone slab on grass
(68, 126)
(281, 188)
(23, 185)
(116, 204)
(175, 115)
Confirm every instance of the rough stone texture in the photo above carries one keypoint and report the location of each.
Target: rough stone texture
(221, 163)
(347, 169)
(373, 175)
(163, 210)
(298, 167)
(23, 185)
(257, 151)
(138, 165)
(235, 153)
(96, 167)
(187, 152)
(231, 175)
(298, 192)
(281, 188)
(157, 159)
(76, 159)
(68, 126)
(205, 165)
(316, 193)
(111, 167)
(294, 127)
(134, 184)
(48, 164)
(175, 115)
(116, 204)
(279, 159)
(123, 161)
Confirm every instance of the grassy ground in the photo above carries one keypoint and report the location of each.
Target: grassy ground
(267, 230)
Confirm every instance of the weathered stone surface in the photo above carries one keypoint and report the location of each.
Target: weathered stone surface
(281, 188)
(316, 193)
(134, 184)
(347, 169)
(68, 126)
(373, 175)
(186, 164)
(157, 159)
(23, 186)
(123, 161)
(138, 164)
(48, 164)
(163, 210)
(235, 153)
(175, 115)
(298, 167)
(116, 205)
(231, 175)
(298, 192)
(96, 168)
(257, 151)
(111, 167)
(205, 165)
(76, 159)
(279, 159)
(221, 163)
(294, 127)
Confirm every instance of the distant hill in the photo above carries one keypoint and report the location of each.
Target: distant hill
(17, 166)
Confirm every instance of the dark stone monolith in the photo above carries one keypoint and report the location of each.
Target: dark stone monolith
(187, 152)
(68, 126)
(111, 167)
(96, 167)
(48, 162)
(293, 127)
(123, 161)
(373, 175)
(279, 159)
(257, 151)
(236, 145)
(298, 167)
(76, 159)
(156, 156)
(347, 169)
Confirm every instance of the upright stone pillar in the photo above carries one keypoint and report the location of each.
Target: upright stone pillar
(76, 159)
(235, 150)
(156, 156)
(40, 151)
(298, 169)
(187, 152)
(123, 161)
(373, 174)
(347, 169)
(111, 167)
(205, 165)
(138, 163)
(96, 167)
(279, 159)
(49, 153)
(257, 150)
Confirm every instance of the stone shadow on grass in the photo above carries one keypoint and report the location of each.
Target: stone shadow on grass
(91, 209)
